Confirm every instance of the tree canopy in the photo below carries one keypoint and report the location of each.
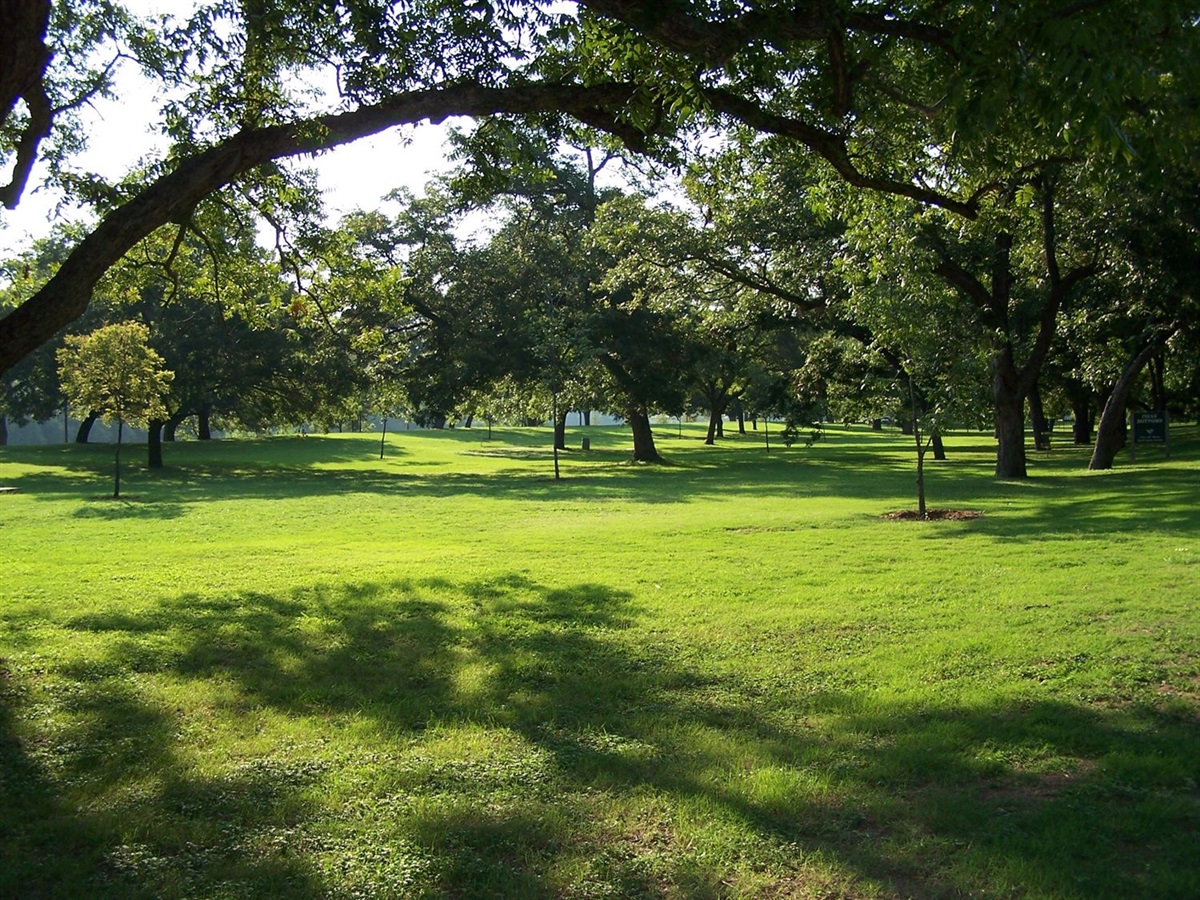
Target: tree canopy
(940, 103)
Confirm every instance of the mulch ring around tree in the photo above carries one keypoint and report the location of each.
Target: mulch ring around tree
(934, 514)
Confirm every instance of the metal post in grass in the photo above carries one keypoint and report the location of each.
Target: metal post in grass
(912, 399)
(554, 430)
(383, 437)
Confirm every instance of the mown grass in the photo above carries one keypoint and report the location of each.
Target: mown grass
(287, 668)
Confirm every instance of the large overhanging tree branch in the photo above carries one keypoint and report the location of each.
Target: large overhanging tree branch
(832, 147)
(172, 197)
(23, 60)
(822, 26)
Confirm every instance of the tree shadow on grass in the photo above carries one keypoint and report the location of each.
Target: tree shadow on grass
(103, 806)
(501, 737)
(129, 507)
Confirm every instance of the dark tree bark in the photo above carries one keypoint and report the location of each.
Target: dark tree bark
(3, 430)
(1083, 412)
(1010, 429)
(172, 426)
(1158, 388)
(914, 430)
(23, 60)
(117, 463)
(154, 439)
(1037, 417)
(85, 428)
(1110, 434)
(204, 423)
(643, 437)
(1085, 422)
(560, 430)
(938, 446)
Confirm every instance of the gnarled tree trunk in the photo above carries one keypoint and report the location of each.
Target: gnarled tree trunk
(85, 428)
(1110, 435)
(560, 430)
(1009, 405)
(643, 437)
(1037, 417)
(938, 446)
(172, 426)
(154, 438)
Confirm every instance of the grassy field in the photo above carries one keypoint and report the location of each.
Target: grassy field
(288, 668)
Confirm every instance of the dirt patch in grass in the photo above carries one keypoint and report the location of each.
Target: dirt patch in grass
(935, 514)
(1044, 786)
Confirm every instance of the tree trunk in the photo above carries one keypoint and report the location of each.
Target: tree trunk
(172, 426)
(1158, 389)
(3, 430)
(560, 430)
(1110, 435)
(204, 423)
(22, 77)
(154, 443)
(1009, 406)
(877, 424)
(1037, 417)
(914, 429)
(643, 437)
(741, 421)
(714, 422)
(587, 418)
(85, 428)
(1083, 414)
(117, 466)
(560, 433)
(939, 448)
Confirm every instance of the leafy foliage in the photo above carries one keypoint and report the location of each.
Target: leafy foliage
(114, 372)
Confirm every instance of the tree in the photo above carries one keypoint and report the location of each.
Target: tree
(868, 90)
(114, 371)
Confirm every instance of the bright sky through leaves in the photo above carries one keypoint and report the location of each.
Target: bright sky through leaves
(120, 131)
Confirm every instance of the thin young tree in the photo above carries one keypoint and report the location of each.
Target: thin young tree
(114, 372)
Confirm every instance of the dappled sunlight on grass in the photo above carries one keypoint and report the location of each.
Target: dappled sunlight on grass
(295, 670)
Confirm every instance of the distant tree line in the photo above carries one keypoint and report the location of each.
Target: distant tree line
(937, 213)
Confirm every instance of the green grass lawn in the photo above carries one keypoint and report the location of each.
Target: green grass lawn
(288, 668)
